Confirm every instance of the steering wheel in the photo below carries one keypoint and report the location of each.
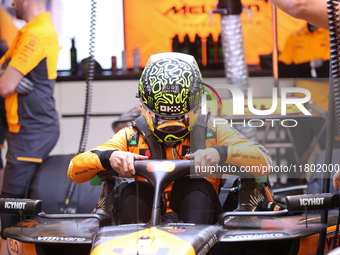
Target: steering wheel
(160, 173)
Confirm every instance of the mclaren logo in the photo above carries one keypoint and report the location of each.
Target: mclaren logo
(311, 201)
(185, 9)
(15, 205)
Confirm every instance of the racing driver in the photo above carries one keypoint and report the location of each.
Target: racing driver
(169, 93)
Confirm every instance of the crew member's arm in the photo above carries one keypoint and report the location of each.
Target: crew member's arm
(9, 81)
(110, 155)
(27, 53)
(313, 11)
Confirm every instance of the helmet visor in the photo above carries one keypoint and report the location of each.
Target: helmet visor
(170, 123)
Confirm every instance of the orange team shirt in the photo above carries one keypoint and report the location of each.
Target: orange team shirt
(34, 53)
(303, 46)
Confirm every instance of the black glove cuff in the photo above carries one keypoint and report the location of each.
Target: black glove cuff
(104, 157)
(223, 151)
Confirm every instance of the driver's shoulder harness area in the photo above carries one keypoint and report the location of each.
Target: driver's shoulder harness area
(233, 147)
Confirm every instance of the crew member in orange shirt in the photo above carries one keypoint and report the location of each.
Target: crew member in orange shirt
(306, 54)
(27, 84)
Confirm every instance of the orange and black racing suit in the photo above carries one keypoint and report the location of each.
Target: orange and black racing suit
(233, 147)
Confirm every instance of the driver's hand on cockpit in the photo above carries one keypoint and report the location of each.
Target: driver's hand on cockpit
(336, 180)
(122, 162)
(203, 159)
